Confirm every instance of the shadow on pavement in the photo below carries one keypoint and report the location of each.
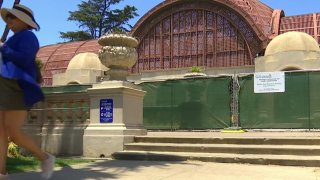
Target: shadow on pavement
(106, 169)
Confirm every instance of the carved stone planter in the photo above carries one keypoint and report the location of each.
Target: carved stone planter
(119, 54)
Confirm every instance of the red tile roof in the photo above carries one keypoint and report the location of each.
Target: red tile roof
(57, 57)
(308, 23)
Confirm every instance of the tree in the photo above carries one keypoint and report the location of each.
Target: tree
(75, 35)
(39, 66)
(96, 17)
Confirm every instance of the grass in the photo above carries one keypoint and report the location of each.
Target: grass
(25, 164)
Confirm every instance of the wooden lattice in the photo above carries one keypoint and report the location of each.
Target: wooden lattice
(196, 34)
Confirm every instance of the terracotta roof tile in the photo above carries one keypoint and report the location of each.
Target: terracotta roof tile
(57, 57)
(308, 23)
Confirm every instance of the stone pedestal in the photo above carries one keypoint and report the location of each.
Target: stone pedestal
(103, 139)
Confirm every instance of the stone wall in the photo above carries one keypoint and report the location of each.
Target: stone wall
(57, 124)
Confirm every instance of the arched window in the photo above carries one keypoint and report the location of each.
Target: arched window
(211, 36)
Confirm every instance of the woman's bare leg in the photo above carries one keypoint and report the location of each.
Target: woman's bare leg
(13, 121)
(3, 145)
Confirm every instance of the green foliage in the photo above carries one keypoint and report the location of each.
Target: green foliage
(39, 77)
(39, 64)
(118, 31)
(97, 17)
(21, 164)
(25, 164)
(13, 150)
(196, 69)
(75, 36)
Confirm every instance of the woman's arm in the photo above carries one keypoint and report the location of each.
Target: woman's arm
(24, 52)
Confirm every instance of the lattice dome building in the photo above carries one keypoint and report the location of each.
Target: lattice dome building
(222, 36)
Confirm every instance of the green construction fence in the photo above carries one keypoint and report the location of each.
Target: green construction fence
(296, 108)
(202, 103)
(205, 103)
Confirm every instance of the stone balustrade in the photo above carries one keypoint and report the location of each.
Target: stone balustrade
(59, 121)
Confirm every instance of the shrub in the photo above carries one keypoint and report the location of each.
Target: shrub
(196, 69)
(13, 150)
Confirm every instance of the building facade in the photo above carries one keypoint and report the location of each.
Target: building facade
(222, 36)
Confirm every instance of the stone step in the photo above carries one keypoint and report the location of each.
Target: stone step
(263, 159)
(232, 140)
(302, 150)
(293, 150)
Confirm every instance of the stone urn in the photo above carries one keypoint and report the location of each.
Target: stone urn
(118, 53)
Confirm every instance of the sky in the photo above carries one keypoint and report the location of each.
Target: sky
(52, 15)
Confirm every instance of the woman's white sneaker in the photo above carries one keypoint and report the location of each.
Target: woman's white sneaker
(4, 176)
(47, 166)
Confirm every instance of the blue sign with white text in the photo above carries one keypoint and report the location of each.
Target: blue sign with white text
(106, 111)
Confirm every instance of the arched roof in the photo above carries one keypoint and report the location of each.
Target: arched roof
(257, 14)
(308, 23)
(56, 58)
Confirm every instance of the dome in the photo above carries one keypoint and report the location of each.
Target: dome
(292, 41)
(56, 57)
(86, 61)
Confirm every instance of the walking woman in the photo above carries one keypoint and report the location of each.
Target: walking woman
(19, 89)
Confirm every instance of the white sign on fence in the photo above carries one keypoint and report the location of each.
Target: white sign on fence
(269, 82)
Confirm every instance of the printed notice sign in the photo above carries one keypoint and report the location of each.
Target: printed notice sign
(106, 111)
(269, 82)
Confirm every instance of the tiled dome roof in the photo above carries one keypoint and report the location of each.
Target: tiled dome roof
(260, 13)
(308, 23)
(56, 58)
(257, 14)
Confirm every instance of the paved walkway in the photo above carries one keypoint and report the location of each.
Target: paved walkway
(185, 170)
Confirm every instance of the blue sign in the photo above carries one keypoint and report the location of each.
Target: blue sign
(106, 111)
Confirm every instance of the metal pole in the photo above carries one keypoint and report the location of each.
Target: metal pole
(6, 30)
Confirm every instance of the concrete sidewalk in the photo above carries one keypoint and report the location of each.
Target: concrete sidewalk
(184, 170)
